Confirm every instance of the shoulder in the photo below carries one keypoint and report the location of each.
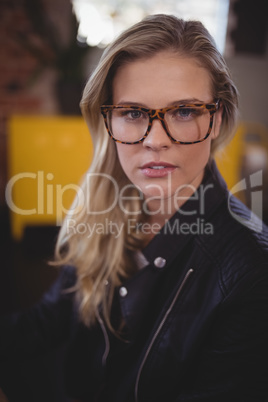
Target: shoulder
(239, 244)
(63, 288)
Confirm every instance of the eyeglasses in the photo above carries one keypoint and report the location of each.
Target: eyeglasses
(184, 124)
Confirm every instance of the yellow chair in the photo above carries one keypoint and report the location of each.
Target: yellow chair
(47, 156)
(250, 140)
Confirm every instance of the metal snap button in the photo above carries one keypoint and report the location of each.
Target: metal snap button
(160, 262)
(123, 291)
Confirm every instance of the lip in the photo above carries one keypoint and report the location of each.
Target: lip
(149, 169)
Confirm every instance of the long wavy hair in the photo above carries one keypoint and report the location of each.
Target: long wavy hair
(103, 259)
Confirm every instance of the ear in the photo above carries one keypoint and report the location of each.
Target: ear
(217, 123)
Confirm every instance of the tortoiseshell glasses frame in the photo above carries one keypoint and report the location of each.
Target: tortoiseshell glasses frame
(159, 114)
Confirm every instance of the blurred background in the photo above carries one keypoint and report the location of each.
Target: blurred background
(48, 48)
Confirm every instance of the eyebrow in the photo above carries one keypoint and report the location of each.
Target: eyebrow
(184, 101)
(174, 103)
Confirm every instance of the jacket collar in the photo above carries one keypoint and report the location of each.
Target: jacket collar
(157, 257)
(192, 219)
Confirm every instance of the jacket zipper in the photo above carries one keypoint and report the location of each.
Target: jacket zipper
(106, 339)
(189, 272)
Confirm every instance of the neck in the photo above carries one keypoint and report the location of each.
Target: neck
(160, 210)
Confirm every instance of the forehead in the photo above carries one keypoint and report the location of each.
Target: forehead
(161, 79)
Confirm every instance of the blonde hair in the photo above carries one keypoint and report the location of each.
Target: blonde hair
(103, 260)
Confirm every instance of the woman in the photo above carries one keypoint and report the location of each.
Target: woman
(164, 298)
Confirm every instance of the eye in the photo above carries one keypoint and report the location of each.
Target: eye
(132, 115)
(186, 113)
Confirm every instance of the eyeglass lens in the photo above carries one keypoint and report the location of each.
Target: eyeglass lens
(187, 124)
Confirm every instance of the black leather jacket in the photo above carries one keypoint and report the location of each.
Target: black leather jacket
(196, 314)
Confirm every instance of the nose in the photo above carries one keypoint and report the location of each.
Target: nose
(157, 138)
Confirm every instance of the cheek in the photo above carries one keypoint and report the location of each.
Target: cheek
(197, 155)
(204, 154)
(125, 155)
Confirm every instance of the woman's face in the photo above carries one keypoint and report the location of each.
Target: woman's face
(166, 173)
